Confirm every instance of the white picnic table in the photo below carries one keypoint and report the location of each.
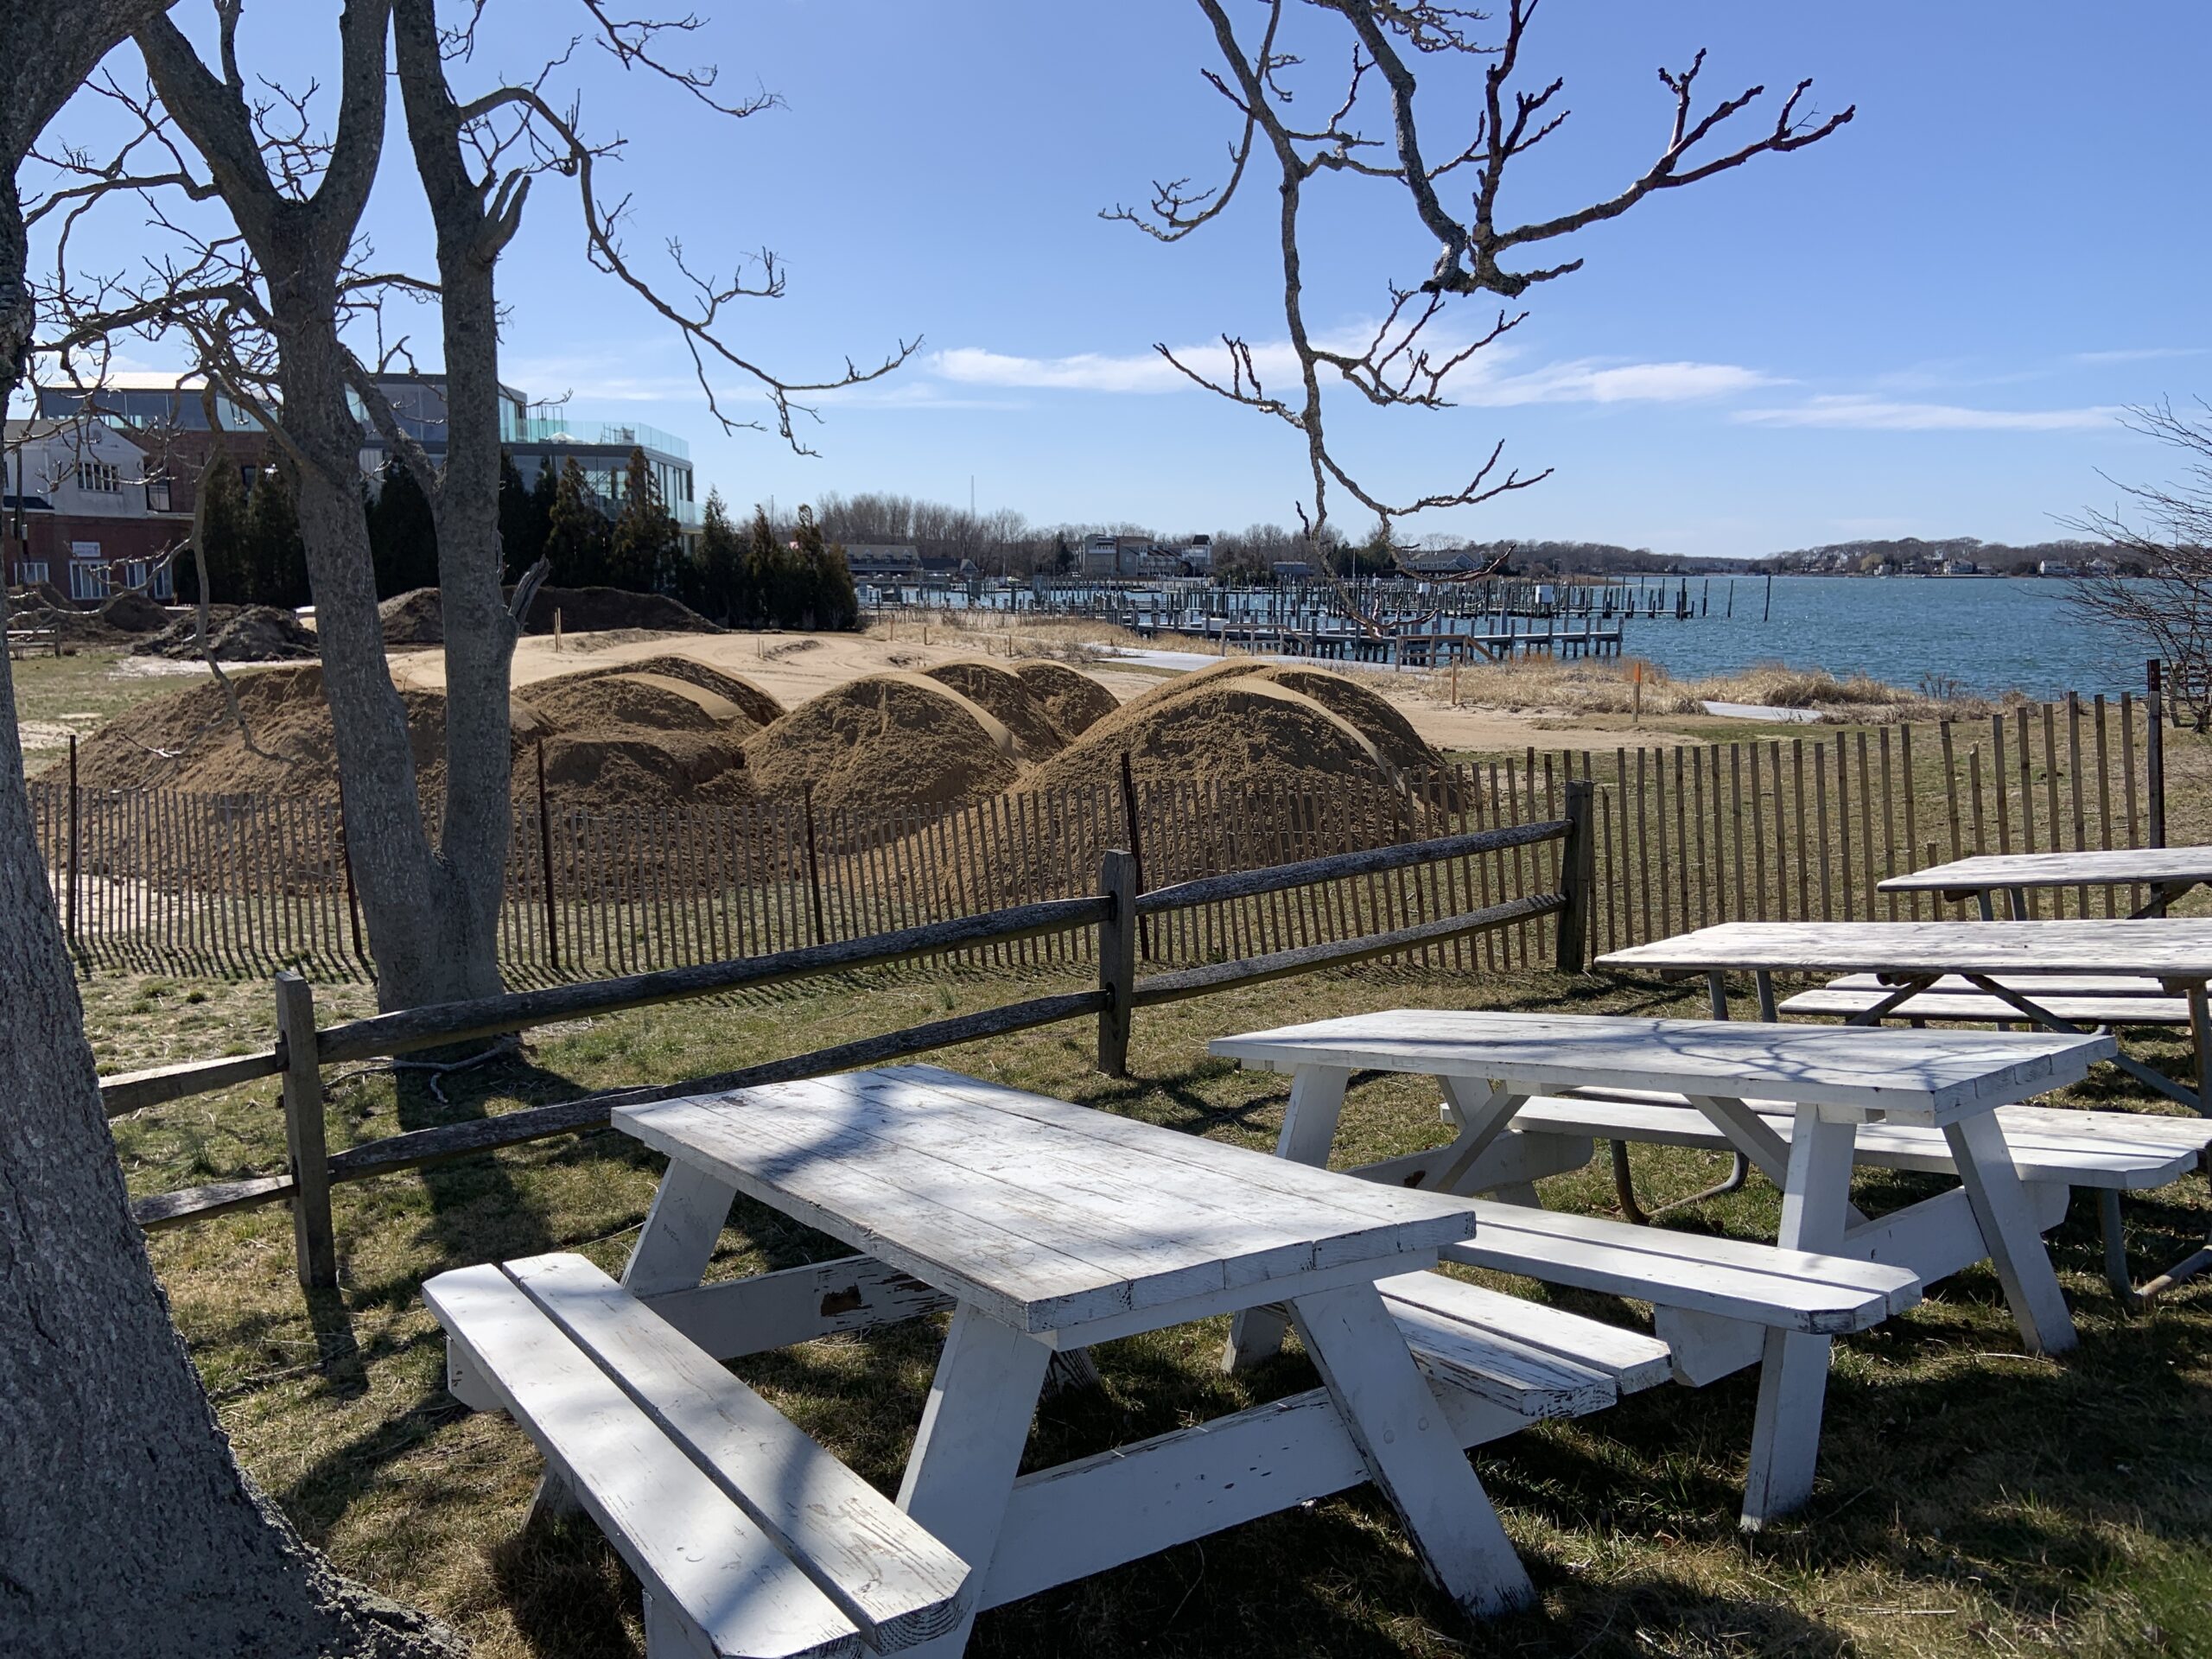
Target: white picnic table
(1993, 958)
(2169, 872)
(1489, 1063)
(1050, 1227)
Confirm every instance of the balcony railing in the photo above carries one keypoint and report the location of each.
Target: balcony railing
(540, 429)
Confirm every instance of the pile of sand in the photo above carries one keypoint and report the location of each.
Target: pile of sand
(598, 610)
(1236, 731)
(1008, 701)
(751, 701)
(885, 740)
(1074, 703)
(1371, 713)
(191, 742)
(236, 633)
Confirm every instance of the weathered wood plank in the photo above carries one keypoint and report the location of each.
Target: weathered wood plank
(131, 1092)
(1248, 884)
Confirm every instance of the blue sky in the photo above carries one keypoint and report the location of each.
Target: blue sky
(1924, 326)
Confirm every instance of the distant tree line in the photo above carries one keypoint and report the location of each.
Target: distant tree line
(764, 575)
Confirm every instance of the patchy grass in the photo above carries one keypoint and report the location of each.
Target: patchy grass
(1970, 1500)
(1603, 686)
(57, 696)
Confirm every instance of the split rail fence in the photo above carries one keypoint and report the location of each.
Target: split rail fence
(1112, 920)
(1776, 828)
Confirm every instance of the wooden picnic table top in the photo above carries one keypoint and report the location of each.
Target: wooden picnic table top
(1934, 1077)
(1042, 1214)
(2102, 866)
(2176, 952)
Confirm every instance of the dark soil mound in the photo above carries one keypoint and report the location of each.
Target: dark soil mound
(597, 610)
(248, 633)
(413, 618)
(1073, 701)
(135, 613)
(604, 704)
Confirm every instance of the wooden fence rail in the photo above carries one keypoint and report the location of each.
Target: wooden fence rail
(1111, 915)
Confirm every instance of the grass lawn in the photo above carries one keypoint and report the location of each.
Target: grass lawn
(1971, 1499)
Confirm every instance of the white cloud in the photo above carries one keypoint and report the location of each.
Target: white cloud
(1481, 382)
(2138, 353)
(1879, 415)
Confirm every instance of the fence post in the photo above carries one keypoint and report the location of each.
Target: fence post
(2154, 750)
(545, 862)
(1117, 960)
(813, 866)
(1576, 864)
(312, 1239)
(73, 843)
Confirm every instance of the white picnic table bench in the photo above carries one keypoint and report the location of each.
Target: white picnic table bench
(1943, 1086)
(2169, 872)
(2070, 977)
(1044, 1227)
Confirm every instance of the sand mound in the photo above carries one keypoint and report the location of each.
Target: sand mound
(1009, 702)
(245, 633)
(595, 610)
(1367, 711)
(1245, 734)
(1228, 667)
(190, 742)
(1073, 701)
(413, 618)
(756, 705)
(579, 705)
(636, 768)
(882, 739)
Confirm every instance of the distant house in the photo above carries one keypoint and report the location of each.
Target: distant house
(1461, 563)
(1116, 558)
(2053, 568)
(1197, 555)
(86, 510)
(1290, 570)
(882, 561)
(944, 567)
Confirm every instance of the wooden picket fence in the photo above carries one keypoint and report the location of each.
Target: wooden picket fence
(155, 880)
(1778, 827)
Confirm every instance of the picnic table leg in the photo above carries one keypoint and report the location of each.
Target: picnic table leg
(1409, 1449)
(960, 1472)
(2008, 1231)
(1309, 1126)
(1793, 1371)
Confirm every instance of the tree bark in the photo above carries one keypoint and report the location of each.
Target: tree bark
(431, 913)
(127, 1526)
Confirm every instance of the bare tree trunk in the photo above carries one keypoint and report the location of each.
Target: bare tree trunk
(473, 224)
(431, 920)
(127, 1526)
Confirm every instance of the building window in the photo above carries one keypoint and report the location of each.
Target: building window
(29, 572)
(86, 579)
(158, 495)
(101, 477)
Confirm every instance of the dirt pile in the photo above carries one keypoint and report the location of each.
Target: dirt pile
(751, 701)
(413, 618)
(67, 623)
(236, 633)
(1009, 702)
(133, 613)
(887, 739)
(598, 610)
(191, 742)
(1370, 713)
(1237, 732)
(1073, 702)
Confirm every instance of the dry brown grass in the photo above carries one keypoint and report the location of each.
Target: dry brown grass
(1971, 1502)
(1605, 686)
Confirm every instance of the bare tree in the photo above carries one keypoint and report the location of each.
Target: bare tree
(128, 1526)
(276, 304)
(1408, 359)
(2156, 591)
